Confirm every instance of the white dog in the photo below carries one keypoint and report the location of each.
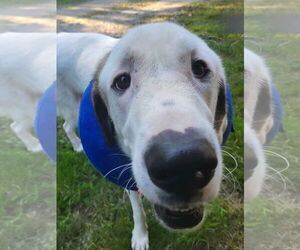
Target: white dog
(160, 94)
(259, 120)
(27, 69)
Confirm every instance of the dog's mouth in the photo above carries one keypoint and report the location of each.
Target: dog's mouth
(180, 218)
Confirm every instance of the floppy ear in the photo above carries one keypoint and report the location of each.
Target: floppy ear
(220, 123)
(103, 117)
(100, 107)
(263, 118)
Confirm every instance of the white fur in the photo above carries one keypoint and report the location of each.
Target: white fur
(256, 74)
(27, 69)
(139, 240)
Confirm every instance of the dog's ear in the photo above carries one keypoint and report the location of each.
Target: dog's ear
(100, 107)
(263, 118)
(220, 122)
(103, 117)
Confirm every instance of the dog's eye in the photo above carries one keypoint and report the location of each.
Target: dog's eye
(200, 68)
(122, 82)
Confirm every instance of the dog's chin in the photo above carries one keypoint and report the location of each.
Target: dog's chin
(180, 219)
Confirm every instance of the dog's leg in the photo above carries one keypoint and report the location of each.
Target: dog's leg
(139, 240)
(23, 133)
(75, 141)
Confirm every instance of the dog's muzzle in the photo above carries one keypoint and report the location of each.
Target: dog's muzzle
(181, 164)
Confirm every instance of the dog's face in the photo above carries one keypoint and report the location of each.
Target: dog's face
(258, 122)
(161, 97)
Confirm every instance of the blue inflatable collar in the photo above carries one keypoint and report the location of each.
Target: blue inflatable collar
(277, 116)
(45, 122)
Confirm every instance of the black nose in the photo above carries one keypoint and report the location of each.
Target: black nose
(251, 161)
(180, 163)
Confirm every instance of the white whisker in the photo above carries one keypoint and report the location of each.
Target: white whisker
(281, 157)
(119, 154)
(126, 191)
(123, 171)
(128, 182)
(234, 159)
(134, 183)
(231, 178)
(282, 182)
(282, 177)
(116, 169)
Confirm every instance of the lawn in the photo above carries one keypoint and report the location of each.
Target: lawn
(95, 214)
(27, 195)
(276, 211)
(61, 3)
(272, 16)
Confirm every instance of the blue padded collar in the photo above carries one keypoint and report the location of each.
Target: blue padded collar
(230, 114)
(111, 161)
(45, 122)
(277, 116)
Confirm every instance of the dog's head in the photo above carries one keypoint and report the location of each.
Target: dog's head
(258, 121)
(160, 95)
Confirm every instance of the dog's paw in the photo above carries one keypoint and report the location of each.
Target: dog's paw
(139, 240)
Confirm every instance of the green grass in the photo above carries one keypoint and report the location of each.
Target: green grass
(209, 17)
(61, 3)
(276, 212)
(259, 15)
(95, 214)
(27, 195)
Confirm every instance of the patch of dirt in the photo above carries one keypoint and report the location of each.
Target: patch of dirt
(114, 17)
(29, 18)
